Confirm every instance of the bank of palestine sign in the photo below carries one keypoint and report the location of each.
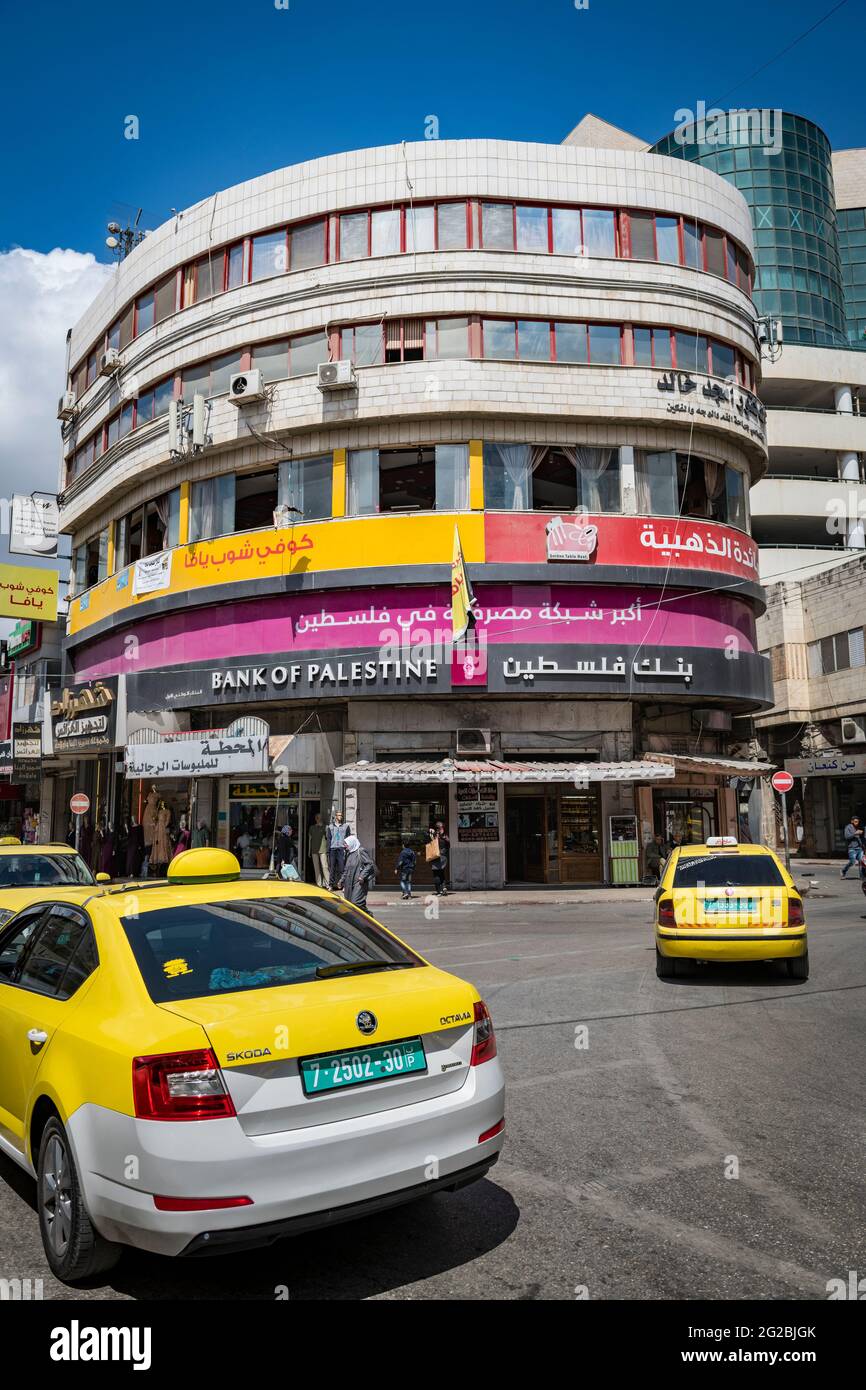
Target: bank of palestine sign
(27, 592)
(26, 752)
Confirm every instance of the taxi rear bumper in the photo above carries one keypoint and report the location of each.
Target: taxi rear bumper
(731, 943)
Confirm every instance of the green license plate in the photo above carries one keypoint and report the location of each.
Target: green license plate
(730, 904)
(333, 1071)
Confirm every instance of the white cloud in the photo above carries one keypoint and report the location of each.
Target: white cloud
(41, 296)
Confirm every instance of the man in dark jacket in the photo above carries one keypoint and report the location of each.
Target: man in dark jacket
(359, 872)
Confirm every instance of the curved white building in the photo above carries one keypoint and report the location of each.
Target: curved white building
(550, 349)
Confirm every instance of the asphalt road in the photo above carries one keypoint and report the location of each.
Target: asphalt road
(614, 1175)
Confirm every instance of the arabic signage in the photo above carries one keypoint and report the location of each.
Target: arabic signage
(723, 401)
(24, 587)
(570, 538)
(84, 716)
(629, 541)
(26, 752)
(415, 622)
(481, 797)
(833, 764)
(6, 702)
(5, 757)
(213, 754)
(34, 524)
(152, 574)
(261, 791)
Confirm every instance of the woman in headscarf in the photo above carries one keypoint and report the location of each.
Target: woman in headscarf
(359, 872)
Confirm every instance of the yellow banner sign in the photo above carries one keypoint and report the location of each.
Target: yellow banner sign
(28, 592)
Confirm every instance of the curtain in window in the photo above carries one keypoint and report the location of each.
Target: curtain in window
(160, 506)
(595, 486)
(714, 482)
(363, 496)
(515, 462)
(656, 479)
(211, 509)
(452, 477)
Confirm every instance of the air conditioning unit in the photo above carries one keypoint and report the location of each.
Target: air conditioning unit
(109, 362)
(66, 406)
(473, 741)
(336, 376)
(246, 387)
(853, 731)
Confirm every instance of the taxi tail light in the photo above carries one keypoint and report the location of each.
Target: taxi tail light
(180, 1086)
(200, 1203)
(796, 916)
(484, 1039)
(667, 916)
(492, 1132)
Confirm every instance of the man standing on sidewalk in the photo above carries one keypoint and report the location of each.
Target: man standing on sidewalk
(317, 848)
(853, 833)
(337, 833)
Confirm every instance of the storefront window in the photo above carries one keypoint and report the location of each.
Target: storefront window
(452, 477)
(684, 816)
(404, 815)
(598, 476)
(363, 478)
(256, 815)
(256, 496)
(656, 480)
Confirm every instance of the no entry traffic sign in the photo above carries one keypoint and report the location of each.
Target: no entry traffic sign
(782, 781)
(79, 803)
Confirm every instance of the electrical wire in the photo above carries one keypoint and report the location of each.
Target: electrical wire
(781, 53)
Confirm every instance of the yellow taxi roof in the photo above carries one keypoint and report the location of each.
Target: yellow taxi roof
(149, 895)
(38, 849)
(724, 849)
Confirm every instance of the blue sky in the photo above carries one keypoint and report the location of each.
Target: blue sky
(224, 91)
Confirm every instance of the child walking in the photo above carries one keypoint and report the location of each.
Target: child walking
(405, 868)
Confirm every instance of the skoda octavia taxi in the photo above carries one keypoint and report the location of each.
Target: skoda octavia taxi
(730, 902)
(205, 1063)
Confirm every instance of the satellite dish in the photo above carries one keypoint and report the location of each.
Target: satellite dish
(112, 243)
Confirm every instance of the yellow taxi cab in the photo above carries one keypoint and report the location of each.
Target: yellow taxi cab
(204, 1063)
(25, 868)
(725, 901)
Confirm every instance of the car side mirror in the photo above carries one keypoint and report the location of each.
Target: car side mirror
(103, 878)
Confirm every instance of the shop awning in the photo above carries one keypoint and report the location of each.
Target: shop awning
(721, 767)
(301, 753)
(491, 770)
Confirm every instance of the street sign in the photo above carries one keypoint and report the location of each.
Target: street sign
(79, 803)
(782, 781)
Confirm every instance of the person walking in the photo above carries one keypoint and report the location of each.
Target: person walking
(406, 861)
(359, 872)
(853, 833)
(441, 848)
(655, 857)
(337, 833)
(317, 848)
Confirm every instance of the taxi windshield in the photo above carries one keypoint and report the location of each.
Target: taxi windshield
(41, 870)
(727, 871)
(186, 952)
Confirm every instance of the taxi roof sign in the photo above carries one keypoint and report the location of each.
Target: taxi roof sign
(727, 841)
(204, 865)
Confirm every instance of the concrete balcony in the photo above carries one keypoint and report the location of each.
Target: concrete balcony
(819, 430)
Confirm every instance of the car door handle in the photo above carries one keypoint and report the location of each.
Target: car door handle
(37, 1037)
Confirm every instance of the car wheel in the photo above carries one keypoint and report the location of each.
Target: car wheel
(798, 967)
(666, 966)
(73, 1247)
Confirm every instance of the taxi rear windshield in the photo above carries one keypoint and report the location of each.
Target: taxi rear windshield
(727, 871)
(220, 948)
(39, 870)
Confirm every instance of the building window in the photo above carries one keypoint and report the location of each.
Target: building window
(363, 344)
(532, 229)
(841, 652)
(212, 508)
(363, 482)
(404, 340)
(715, 248)
(272, 360)
(567, 232)
(533, 340)
(643, 239)
(499, 337)
(452, 477)
(691, 352)
(571, 342)
(737, 492)
(668, 239)
(497, 226)
(256, 499)
(656, 483)
(306, 351)
(451, 233)
(354, 236)
(308, 244)
(269, 255)
(150, 528)
(652, 347)
(305, 487)
(385, 232)
(724, 359)
(235, 266)
(605, 343)
(692, 245)
(599, 232)
(523, 477)
(420, 228)
(407, 480)
(446, 338)
(208, 277)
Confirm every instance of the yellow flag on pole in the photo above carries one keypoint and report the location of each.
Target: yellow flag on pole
(462, 616)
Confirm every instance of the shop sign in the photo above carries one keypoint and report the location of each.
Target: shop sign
(35, 523)
(29, 588)
(832, 764)
(477, 826)
(152, 573)
(26, 752)
(216, 754)
(5, 757)
(571, 538)
(483, 797)
(723, 400)
(261, 791)
(24, 637)
(84, 717)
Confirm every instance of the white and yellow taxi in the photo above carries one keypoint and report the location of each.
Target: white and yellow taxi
(724, 901)
(202, 1063)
